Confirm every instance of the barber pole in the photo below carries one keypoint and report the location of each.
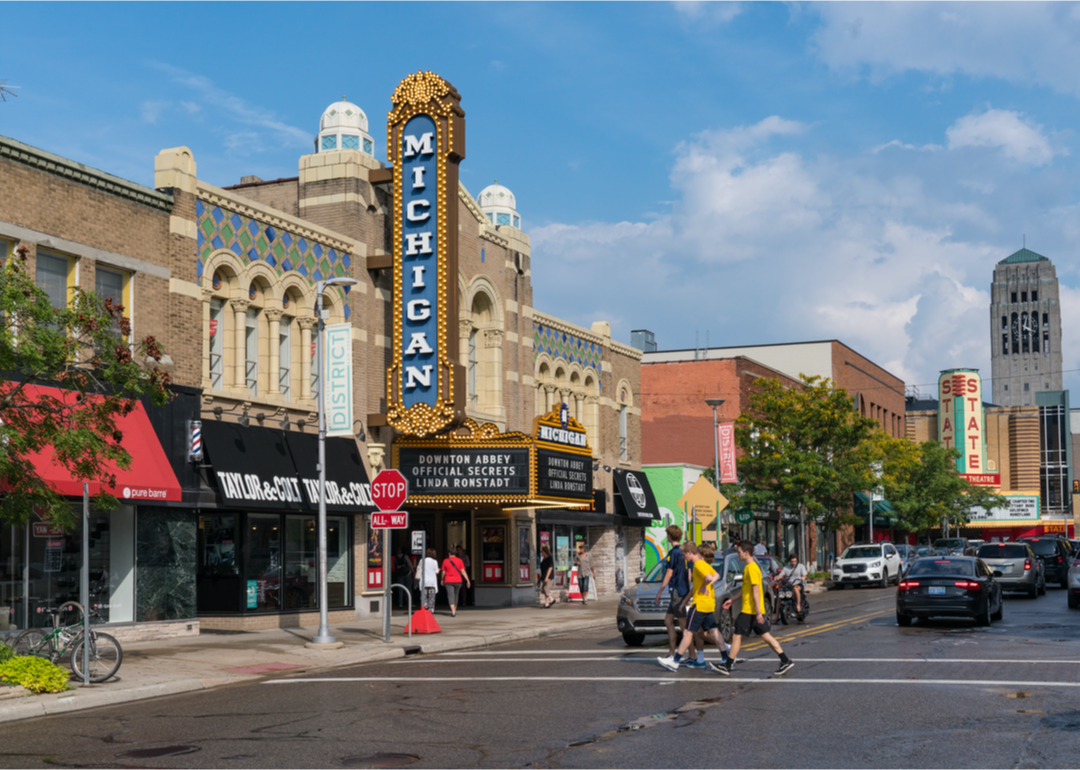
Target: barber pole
(195, 450)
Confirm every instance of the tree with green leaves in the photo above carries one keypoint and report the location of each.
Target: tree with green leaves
(926, 490)
(803, 449)
(82, 349)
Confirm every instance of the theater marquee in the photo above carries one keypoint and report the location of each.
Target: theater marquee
(426, 141)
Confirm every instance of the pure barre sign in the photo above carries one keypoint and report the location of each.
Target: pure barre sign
(426, 142)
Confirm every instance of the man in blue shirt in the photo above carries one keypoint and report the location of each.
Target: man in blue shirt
(677, 573)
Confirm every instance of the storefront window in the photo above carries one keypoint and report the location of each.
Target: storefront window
(218, 581)
(301, 562)
(166, 547)
(524, 554)
(11, 578)
(262, 569)
(338, 583)
(493, 550)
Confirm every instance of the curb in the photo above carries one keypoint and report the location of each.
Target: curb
(33, 706)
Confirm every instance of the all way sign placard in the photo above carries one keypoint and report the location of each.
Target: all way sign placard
(390, 520)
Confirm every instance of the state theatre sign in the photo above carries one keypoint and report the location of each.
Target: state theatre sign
(961, 423)
(426, 141)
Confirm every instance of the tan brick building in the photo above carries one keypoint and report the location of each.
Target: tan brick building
(224, 277)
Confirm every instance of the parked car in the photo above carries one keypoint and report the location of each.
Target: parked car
(951, 546)
(1021, 569)
(640, 613)
(953, 586)
(1074, 581)
(862, 564)
(909, 553)
(1055, 554)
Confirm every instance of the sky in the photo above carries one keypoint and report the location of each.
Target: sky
(760, 172)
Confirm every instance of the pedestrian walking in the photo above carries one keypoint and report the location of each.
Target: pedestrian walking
(453, 573)
(427, 572)
(677, 575)
(760, 549)
(752, 614)
(466, 593)
(701, 615)
(584, 571)
(544, 577)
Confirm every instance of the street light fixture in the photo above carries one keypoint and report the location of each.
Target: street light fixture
(323, 637)
(716, 403)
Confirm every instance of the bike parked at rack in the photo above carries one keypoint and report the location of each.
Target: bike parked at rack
(105, 653)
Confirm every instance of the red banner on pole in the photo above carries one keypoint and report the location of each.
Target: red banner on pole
(726, 438)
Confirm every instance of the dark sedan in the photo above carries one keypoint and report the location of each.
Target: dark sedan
(954, 586)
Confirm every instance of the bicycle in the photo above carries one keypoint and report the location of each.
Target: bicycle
(105, 653)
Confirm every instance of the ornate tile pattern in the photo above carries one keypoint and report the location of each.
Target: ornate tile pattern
(251, 241)
(559, 344)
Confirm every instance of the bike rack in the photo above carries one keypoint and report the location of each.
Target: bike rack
(408, 594)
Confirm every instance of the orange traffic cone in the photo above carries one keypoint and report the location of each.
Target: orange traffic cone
(423, 622)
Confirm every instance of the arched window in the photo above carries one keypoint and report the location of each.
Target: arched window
(1015, 332)
(543, 379)
(1025, 330)
(218, 324)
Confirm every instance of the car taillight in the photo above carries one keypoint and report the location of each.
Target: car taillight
(1027, 563)
(1060, 560)
(969, 585)
(907, 584)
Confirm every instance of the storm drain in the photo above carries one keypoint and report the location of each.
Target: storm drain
(380, 760)
(161, 751)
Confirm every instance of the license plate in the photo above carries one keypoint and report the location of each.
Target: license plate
(936, 590)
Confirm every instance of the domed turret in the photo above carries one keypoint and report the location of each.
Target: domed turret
(344, 126)
(499, 205)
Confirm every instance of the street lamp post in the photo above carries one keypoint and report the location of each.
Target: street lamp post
(323, 637)
(715, 403)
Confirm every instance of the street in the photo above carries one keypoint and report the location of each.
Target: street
(863, 693)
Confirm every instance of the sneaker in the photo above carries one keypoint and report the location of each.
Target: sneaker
(785, 667)
(724, 669)
(668, 663)
(696, 664)
(738, 660)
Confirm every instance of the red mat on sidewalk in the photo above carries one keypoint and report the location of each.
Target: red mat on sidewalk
(423, 622)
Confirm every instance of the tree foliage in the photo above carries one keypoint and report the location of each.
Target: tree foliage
(83, 349)
(926, 490)
(803, 448)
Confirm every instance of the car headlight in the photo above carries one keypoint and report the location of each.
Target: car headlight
(875, 565)
(626, 601)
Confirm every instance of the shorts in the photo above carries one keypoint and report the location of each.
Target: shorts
(583, 584)
(453, 590)
(696, 620)
(675, 605)
(746, 623)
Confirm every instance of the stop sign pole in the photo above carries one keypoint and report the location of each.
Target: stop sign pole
(388, 491)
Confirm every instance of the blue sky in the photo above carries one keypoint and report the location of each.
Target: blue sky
(768, 172)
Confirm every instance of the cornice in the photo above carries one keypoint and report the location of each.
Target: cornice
(77, 172)
(255, 210)
(471, 204)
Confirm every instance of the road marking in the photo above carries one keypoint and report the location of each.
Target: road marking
(639, 658)
(712, 680)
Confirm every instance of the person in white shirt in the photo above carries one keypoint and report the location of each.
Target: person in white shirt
(796, 573)
(427, 572)
(760, 549)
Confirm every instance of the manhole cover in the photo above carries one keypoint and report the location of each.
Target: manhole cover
(381, 760)
(1067, 720)
(162, 751)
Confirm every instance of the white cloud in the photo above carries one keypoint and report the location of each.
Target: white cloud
(1026, 43)
(1019, 139)
(902, 146)
(151, 111)
(191, 107)
(710, 13)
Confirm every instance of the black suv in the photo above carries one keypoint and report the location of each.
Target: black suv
(1054, 553)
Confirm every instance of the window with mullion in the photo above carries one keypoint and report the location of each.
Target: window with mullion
(52, 277)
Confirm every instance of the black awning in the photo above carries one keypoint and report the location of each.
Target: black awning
(252, 467)
(634, 497)
(348, 489)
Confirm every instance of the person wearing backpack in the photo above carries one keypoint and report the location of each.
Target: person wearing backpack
(677, 574)
(453, 574)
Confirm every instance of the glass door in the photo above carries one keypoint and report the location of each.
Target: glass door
(301, 562)
(262, 565)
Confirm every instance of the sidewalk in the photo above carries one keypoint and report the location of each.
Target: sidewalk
(152, 669)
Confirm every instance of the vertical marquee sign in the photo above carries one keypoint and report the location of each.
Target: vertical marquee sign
(425, 393)
(960, 418)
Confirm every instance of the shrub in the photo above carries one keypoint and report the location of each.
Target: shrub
(7, 652)
(35, 674)
(818, 576)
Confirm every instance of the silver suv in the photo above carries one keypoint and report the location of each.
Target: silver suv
(640, 613)
(1021, 569)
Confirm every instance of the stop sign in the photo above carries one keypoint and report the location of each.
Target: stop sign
(389, 490)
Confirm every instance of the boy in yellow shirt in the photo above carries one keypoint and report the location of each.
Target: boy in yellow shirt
(752, 617)
(700, 617)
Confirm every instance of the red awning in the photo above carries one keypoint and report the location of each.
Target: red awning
(149, 478)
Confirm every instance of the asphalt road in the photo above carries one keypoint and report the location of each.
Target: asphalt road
(863, 693)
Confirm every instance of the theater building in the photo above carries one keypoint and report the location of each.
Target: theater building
(225, 277)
